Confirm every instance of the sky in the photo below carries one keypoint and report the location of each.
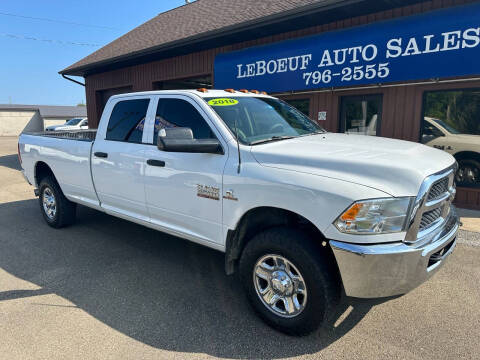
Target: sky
(29, 68)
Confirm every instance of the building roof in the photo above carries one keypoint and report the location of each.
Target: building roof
(206, 24)
(193, 19)
(49, 111)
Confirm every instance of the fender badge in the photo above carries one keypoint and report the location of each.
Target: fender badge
(229, 195)
(208, 192)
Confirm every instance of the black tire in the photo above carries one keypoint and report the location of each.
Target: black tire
(65, 210)
(318, 272)
(468, 173)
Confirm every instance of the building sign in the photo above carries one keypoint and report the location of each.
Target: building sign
(441, 43)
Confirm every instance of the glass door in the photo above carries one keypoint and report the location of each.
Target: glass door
(361, 114)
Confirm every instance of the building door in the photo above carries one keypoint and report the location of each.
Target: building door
(361, 114)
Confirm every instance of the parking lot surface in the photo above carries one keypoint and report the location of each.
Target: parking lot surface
(109, 289)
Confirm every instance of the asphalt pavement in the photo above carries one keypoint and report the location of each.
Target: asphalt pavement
(105, 288)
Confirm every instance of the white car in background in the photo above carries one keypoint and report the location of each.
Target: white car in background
(464, 147)
(72, 124)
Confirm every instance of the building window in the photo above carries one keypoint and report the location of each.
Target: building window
(451, 122)
(127, 121)
(361, 114)
(300, 104)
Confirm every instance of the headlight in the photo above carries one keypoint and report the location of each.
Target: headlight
(376, 216)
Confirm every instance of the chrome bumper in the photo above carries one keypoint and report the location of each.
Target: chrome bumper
(371, 271)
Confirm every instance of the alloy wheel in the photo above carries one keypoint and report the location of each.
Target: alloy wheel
(280, 285)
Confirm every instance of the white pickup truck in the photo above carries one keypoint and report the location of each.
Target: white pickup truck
(300, 213)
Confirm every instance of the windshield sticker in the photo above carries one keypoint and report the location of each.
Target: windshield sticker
(223, 102)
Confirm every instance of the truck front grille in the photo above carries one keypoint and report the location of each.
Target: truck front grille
(429, 217)
(438, 189)
(432, 205)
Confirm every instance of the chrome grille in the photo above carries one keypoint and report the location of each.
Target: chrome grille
(429, 217)
(432, 205)
(438, 189)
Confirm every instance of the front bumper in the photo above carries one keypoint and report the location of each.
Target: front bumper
(381, 270)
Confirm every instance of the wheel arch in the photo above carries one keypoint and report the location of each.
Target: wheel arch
(467, 155)
(42, 170)
(260, 219)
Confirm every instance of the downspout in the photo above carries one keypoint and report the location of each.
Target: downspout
(73, 80)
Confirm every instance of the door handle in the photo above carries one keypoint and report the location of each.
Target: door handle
(153, 162)
(100, 154)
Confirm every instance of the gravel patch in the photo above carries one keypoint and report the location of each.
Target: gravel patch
(469, 238)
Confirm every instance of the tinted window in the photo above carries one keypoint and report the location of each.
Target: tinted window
(180, 113)
(127, 120)
(74, 121)
(458, 111)
(430, 132)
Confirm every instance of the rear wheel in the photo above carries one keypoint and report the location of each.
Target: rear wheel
(56, 209)
(287, 281)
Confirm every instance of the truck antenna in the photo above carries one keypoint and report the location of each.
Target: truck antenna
(238, 146)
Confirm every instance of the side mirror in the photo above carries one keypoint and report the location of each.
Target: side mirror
(181, 140)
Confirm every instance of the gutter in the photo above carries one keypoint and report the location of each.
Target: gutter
(73, 80)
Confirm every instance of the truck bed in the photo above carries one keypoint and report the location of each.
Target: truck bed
(83, 135)
(67, 154)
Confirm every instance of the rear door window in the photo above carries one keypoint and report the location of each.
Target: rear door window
(127, 121)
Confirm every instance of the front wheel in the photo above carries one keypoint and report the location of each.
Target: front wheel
(468, 173)
(288, 282)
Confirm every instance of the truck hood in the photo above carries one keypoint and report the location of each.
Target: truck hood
(395, 167)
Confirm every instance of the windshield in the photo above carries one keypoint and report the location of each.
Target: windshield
(73, 121)
(446, 126)
(259, 119)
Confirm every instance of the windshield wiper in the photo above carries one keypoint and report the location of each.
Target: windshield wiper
(271, 139)
(315, 133)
